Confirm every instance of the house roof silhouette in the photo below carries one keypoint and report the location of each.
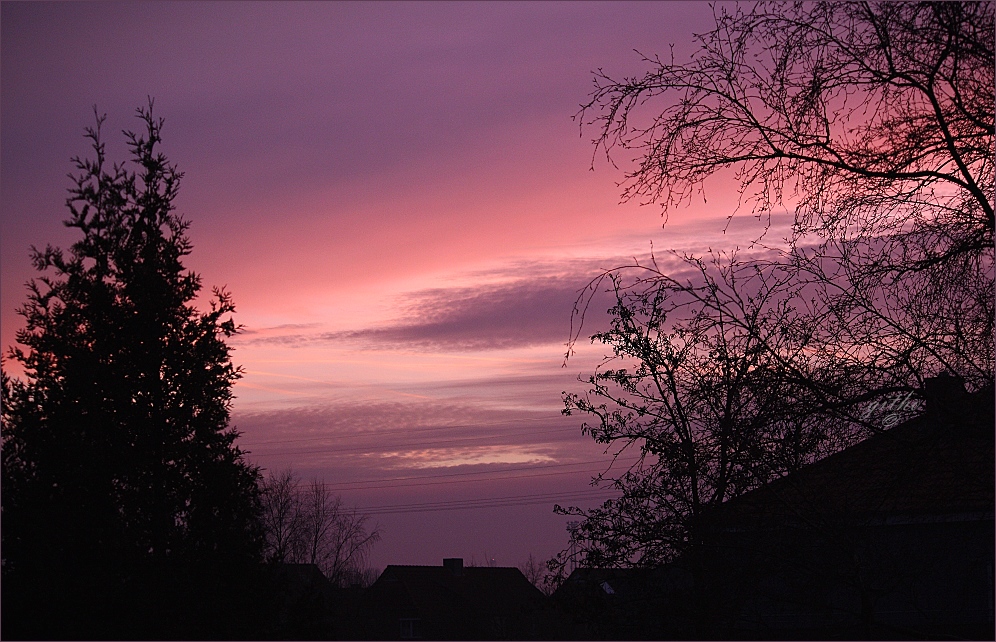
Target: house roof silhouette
(454, 602)
(437, 589)
(937, 466)
(892, 536)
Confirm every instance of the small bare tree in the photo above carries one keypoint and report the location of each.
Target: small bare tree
(281, 515)
(535, 571)
(313, 526)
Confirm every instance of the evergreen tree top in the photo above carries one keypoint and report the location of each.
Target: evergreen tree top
(117, 448)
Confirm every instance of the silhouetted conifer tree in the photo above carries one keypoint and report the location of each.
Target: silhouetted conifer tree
(127, 507)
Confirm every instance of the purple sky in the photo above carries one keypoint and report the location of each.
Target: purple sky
(402, 207)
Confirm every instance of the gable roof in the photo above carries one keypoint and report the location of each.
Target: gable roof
(938, 466)
(439, 592)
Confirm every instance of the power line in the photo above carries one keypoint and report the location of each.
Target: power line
(447, 502)
(468, 481)
(491, 502)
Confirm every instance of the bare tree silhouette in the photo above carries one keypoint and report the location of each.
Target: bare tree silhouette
(873, 125)
(311, 525)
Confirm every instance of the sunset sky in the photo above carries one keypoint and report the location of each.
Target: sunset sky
(399, 201)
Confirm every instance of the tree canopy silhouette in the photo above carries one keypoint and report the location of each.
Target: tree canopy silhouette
(120, 470)
(872, 124)
(697, 389)
(865, 116)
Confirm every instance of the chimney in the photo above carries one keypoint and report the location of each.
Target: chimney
(454, 565)
(945, 394)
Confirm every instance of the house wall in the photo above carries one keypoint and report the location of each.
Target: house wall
(905, 579)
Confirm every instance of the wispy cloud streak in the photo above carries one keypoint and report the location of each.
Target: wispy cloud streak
(530, 305)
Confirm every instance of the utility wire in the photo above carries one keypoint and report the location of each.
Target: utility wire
(468, 481)
(447, 502)
(492, 502)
